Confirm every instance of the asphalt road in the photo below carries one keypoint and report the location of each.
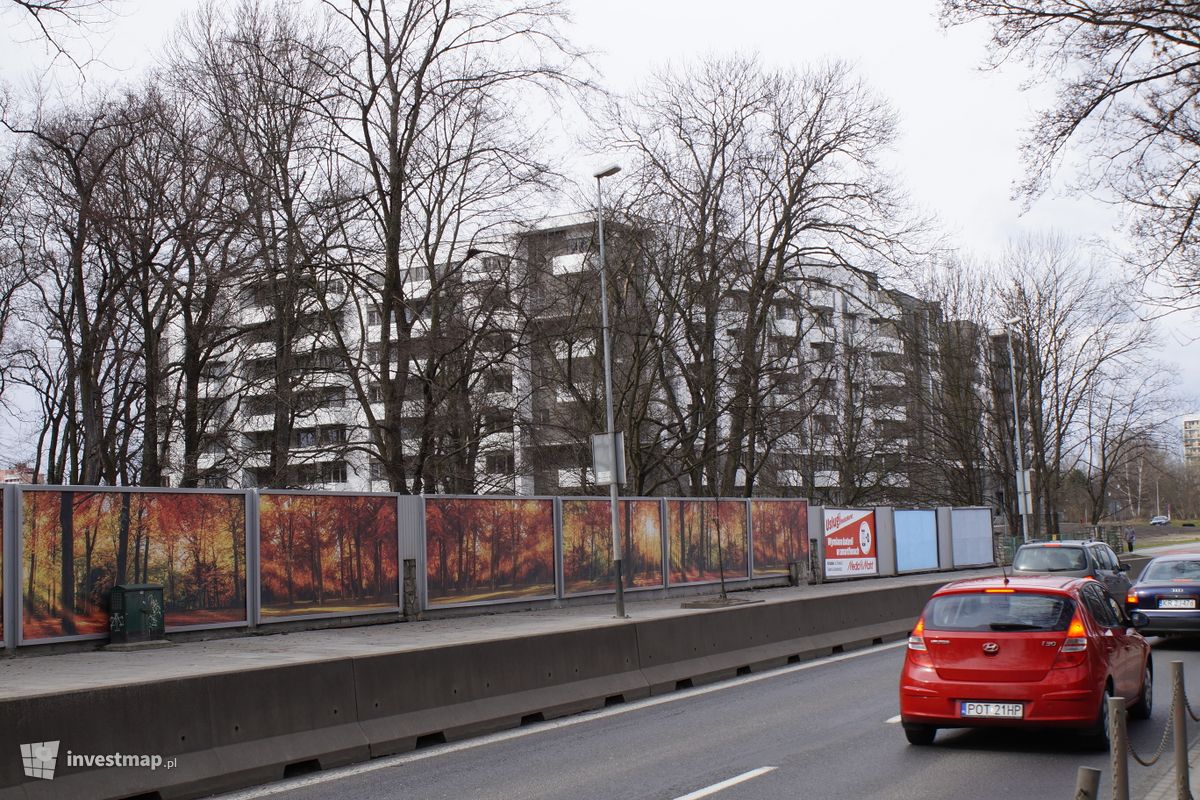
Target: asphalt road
(814, 730)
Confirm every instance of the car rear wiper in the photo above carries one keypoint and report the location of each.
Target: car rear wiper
(1015, 626)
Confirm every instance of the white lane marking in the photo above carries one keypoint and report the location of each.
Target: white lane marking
(725, 784)
(565, 722)
(893, 720)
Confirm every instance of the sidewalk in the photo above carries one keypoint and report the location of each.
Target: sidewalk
(1164, 787)
(31, 675)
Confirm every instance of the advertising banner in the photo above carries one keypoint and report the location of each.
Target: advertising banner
(850, 546)
(916, 539)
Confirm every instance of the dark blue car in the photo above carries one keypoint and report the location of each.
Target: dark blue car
(1168, 592)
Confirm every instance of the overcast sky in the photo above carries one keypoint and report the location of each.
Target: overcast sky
(960, 127)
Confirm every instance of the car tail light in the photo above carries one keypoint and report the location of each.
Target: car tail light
(1075, 645)
(916, 640)
(1131, 598)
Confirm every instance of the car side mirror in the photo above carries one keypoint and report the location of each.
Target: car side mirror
(1122, 566)
(1138, 619)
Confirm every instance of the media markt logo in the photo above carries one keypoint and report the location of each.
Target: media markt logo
(39, 759)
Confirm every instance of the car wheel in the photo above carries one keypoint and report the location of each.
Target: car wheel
(920, 735)
(1098, 734)
(1145, 702)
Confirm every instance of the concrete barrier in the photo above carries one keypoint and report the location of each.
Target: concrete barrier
(450, 693)
(719, 644)
(225, 731)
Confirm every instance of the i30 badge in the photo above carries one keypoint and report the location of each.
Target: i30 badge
(990, 648)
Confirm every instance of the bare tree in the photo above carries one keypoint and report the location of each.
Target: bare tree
(757, 183)
(1127, 409)
(1072, 331)
(954, 436)
(252, 72)
(54, 20)
(69, 157)
(1129, 100)
(420, 98)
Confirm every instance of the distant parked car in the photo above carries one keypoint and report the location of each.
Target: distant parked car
(1168, 593)
(1079, 559)
(1160, 520)
(1044, 651)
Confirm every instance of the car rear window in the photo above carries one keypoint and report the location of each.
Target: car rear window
(1050, 559)
(1020, 611)
(1171, 570)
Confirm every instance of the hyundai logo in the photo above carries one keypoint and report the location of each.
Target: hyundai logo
(991, 648)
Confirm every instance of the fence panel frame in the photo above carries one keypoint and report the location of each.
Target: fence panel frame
(11, 601)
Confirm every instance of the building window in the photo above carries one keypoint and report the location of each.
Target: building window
(498, 380)
(306, 438)
(578, 244)
(212, 480)
(324, 472)
(334, 434)
(499, 463)
(376, 470)
(497, 419)
(333, 472)
(374, 316)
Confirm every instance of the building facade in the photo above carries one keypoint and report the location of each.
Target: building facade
(819, 384)
(1191, 440)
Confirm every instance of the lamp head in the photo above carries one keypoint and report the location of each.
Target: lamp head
(605, 172)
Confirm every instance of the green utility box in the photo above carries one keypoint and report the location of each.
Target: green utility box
(136, 613)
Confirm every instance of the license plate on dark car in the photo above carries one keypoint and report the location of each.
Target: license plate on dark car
(1177, 602)
(971, 708)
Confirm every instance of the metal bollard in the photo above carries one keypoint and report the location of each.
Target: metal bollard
(1183, 790)
(1087, 784)
(1119, 748)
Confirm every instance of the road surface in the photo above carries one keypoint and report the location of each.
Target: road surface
(822, 729)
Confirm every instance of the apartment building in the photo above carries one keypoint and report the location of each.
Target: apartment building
(807, 389)
(1191, 440)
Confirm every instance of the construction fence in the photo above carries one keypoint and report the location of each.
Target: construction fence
(245, 558)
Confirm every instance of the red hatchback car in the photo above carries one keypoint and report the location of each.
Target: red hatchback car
(1023, 651)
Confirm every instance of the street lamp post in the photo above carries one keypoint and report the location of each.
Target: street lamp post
(606, 172)
(1022, 494)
